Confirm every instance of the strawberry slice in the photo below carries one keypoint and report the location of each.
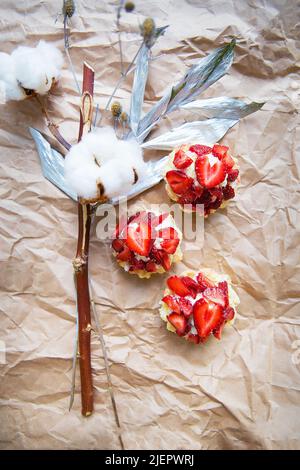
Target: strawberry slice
(179, 322)
(139, 237)
(232, 175)
(224, 287)
(193, 338)
(185, 306)
(172, 303)
(228, 162)
(215, 295)
(118, 245)
(181, 160)
(125, 254)
(200, 149)
(176, 285)
(158, 219)
(137, 264)
(165, 260)
(151, 267)
(218, 331)
(192, 285)
(179, 181)
(207, 175)
(228, 313)
(219, 151)
(170, 240)
(207, 317)
(203, 282)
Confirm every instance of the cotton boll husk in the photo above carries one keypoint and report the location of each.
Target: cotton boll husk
(36, 68)
(117, 177)
(9, 87)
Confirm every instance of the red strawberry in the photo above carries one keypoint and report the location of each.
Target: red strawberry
(139, 237)
(219, 151)
(192, 285)
(228, 192)
(176, 285)
(232, 175)
(193, 338)
(218, 331)
(228, 162)
(203, 282)
(207, 175)
(207, 317)
(170, 240)
(179, 322)
(165, 260)
(224, 287)
(120, 227)
(158, 219)
(216, 198)
(179, 181)
(172, 303)
(117, 245)
(200, 149)
(181, 160)
(215, 295)
(228, 313)
(188, 197)
(125, 254)
(150, 267)
(185, 306)
(137, 264)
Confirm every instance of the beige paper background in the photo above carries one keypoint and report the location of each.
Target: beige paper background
(241, 393)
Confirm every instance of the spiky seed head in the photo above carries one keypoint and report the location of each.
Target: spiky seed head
(116, 109)
(68, 8)
(124, 116)
(129, 7)
(148, 28)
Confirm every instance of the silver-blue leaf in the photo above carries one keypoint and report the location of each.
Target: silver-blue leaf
(222, 107)
(206, 132)
(199, 77)
(52, 163)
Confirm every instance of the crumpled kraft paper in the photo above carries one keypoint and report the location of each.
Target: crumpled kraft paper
(240, 393)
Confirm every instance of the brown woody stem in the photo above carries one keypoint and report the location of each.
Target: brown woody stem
(81, 261)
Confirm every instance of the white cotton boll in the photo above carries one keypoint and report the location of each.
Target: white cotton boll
(9, 87)
(117, 178)
(36, 68)
(83, 180)
(79, 155)
(102, 143)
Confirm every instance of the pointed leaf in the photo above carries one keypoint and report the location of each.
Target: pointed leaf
(222, 107)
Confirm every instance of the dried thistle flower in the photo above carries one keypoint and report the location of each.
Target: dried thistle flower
(68, 8)
(148, 28)
(116, 109)
(129, 7)
(124, 117)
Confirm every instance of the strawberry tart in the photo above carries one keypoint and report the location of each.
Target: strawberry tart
(198, 305)
(198, 174)
(147, 243)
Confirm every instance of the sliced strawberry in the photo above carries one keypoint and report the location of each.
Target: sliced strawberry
(218, 331)
(179, 181)
(224, 287)
(228, 314)
(170, 240)
(203, 282)
(228, 192)
(207, 317)
(186, 306)
(172, 303)
(219, 151)
(207, 175)
(151, 267)
(179, 322)
(228, 162)
(181, 160)
(158, 219)
(193, 338)
(200, 149)
(215, 295)
(176, 285)
(188, 198)
(232, 175)
(125, 254)
(139, 237)
(192, 285)
(137, 264)
(117, 245)
(120, 227)
(165, 260)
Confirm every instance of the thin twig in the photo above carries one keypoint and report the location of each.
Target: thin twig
(53, 128)
(72, 70)
(106, 363)
(75, 354)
